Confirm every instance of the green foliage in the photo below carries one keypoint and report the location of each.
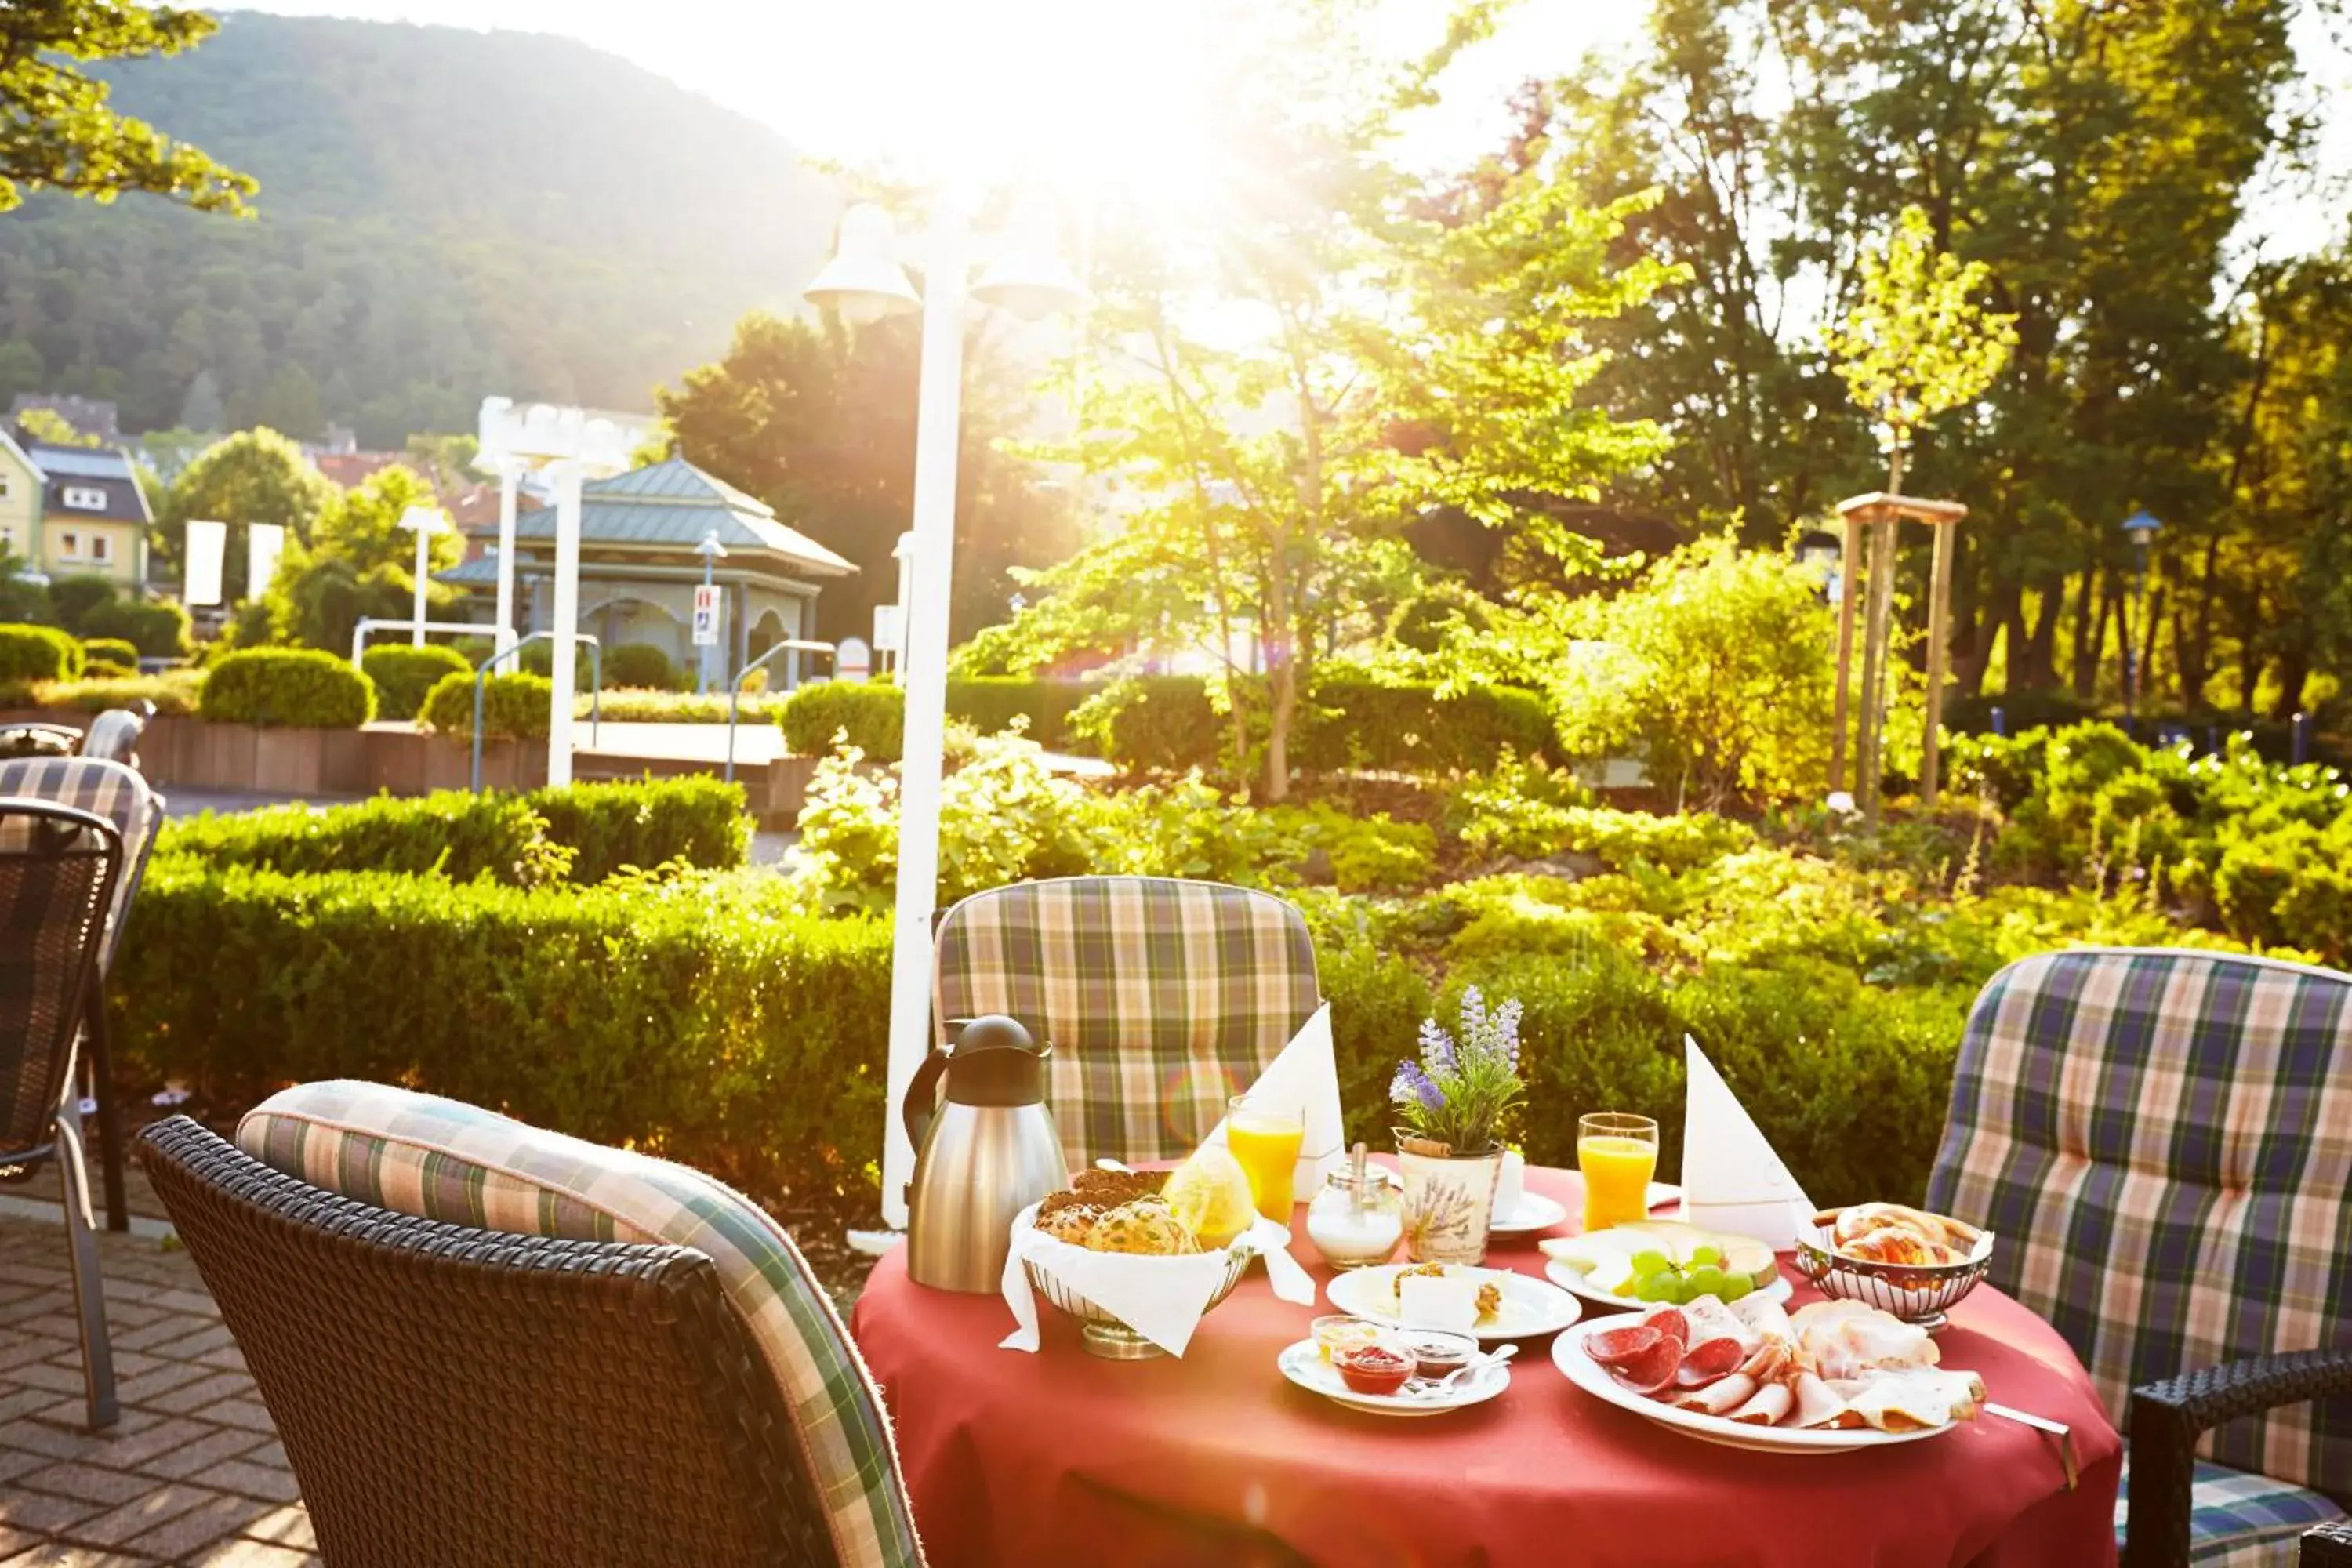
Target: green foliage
(694, 1017)
(155, 628)
(1715, 667)
(39, 653)
(75, 597)
(642, 667)
(297, 688)
(1359, 722)
(990, 703)
(1465, 1090)
(113, 650)
(63, 133)
(1424, 622)
(404, 674)
(174, 692)
(695, 821)
(1153, 723)
(870, 711)
(687, 708)
(514, 706)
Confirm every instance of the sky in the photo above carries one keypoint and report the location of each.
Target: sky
(987, 88)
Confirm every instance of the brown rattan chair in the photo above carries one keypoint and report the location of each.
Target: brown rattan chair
(59, 867)
(456, 1396)
(2329, 1546)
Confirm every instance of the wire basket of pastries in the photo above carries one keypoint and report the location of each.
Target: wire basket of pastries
(1913, 1264)
(1201, 1207)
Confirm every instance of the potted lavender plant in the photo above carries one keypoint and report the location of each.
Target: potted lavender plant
(1451, 1107)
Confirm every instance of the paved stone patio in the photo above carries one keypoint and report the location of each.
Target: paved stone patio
(192, 1474)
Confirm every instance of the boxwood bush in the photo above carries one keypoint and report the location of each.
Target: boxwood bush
(989, 703)
(113, 650)
(404, 675)
(157, 627)
(514, 706)
(643, 666)
(696, 818)
(39, 653)
(287, 688)
(871, 712)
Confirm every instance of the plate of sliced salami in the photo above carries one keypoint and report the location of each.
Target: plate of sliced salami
(1833, 1377)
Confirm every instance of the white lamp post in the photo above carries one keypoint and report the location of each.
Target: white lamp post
(571, 445)
(423, 521)
(865, 283)
(712, 552)
(509, 470)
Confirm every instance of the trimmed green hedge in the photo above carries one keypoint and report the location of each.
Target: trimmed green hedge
(406, 674)
(872, 711)
(585, 832)
(514, 706)
(642, 667)
(1156, 723)
(1164, 723)
(991, 703)
(113, 650)
(287, 688)
(39, 653)
(158, 628)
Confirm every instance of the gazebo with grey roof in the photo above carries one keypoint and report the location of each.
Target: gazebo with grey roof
(638, 565)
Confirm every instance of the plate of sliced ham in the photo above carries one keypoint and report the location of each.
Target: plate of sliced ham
(1830, 1378)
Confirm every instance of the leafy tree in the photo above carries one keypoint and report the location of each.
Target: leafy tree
(363, 527)
(47, 425)
(59, 132)
(1920, 342)
(254, 476)
(202, 408)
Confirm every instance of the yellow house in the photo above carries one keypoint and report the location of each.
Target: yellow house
(20, 502)
(93, 516)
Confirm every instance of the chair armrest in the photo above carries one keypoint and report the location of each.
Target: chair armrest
(2328, 1546)
(2169, 1417)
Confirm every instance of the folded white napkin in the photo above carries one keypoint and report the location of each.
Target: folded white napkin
(1306, 1074)
(1732, 1179)
(1162, 1299)
(1510, 1184)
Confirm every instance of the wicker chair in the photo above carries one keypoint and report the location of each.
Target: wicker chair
(453, 1396)
(2329, 1546)
(2163, 1140)
(115, 791)
(58, 870)
(1163, 999)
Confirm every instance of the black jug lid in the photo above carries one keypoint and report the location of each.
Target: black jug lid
(997, 1062)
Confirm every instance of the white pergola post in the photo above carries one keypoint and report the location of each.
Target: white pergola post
(566, 621)
(923, 675)
(510, 472)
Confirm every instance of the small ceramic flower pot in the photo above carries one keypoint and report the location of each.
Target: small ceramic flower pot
(1449, 1199)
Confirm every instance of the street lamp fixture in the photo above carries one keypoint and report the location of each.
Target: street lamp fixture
(423, 521)
(863, 281)
(2140, 528)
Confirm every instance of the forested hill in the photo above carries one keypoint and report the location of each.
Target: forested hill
(442, 214)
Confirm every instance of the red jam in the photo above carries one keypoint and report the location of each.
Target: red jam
(1435, 1356)
(1373, 1369)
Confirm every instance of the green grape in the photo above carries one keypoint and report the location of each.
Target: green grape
(1704, 1254)
(1735, 1286)
(1706, 1281)
(1665, 1286)
(1650, 1261)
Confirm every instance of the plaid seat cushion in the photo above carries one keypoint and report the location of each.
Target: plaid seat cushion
(105, 789)
(1163, 999)
(2163, 1140)
(436, 1159)
(2239, 1520)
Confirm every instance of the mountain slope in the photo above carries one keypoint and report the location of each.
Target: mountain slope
(444, 215)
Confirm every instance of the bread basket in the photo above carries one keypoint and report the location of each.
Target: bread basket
(1919, 1293)
(1106, 1335)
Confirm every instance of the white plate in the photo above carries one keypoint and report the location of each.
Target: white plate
(1303, 1363)
(1567, 1354)
(1530, 1307)
(1572, 1282)
(1536, 1211)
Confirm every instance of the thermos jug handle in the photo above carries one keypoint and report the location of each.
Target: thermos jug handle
(923, 1095)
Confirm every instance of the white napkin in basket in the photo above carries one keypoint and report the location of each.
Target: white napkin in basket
(1162, 1299)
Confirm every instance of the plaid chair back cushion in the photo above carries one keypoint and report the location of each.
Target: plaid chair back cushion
(102, 788)
(57, 869)
(2163, 1142)
(1163, 999)
(437, 1159)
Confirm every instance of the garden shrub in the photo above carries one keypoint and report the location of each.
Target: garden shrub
(113, 650)
(514, 706)
(696, 819)
(174, 692)
(452, 833)
(870, 711)
(989, 703)
(1155, 723)
(157, 628)
(1359, 722)
(39, 653)
(687, 708)
(406, 674)
(640, 666)
(1423, 621)
(287, 688)
(107, 670)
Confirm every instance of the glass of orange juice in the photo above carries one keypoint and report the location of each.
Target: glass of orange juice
(1617, 1154)
(1264, 1136)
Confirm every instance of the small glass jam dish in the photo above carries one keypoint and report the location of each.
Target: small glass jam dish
(1379, 1368)
(1338, 1332)
(1437, 1356)
(1355, 1228)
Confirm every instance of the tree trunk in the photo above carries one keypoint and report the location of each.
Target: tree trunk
(2038, 670)
(2090, 608)
(2294, 670)
(2001, 611)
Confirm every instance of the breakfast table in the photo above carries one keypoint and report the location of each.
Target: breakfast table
(1061, 1457)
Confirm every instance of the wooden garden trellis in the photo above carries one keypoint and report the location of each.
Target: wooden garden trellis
(1871, 519)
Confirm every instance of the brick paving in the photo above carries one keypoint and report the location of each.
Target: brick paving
(192, 1474)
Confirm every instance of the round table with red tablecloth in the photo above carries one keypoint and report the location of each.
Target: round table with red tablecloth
(1062, 1457)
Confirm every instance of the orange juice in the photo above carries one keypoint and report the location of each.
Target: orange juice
(1617, 1171)
(1266, 1145)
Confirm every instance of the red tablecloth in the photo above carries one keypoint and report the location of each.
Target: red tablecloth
(1062, 1457)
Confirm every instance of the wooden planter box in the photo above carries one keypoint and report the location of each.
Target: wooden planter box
(191, 754)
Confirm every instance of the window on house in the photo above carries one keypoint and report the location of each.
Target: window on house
(69, 545)
(4, 486)
(83, 497)
(102, 548)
